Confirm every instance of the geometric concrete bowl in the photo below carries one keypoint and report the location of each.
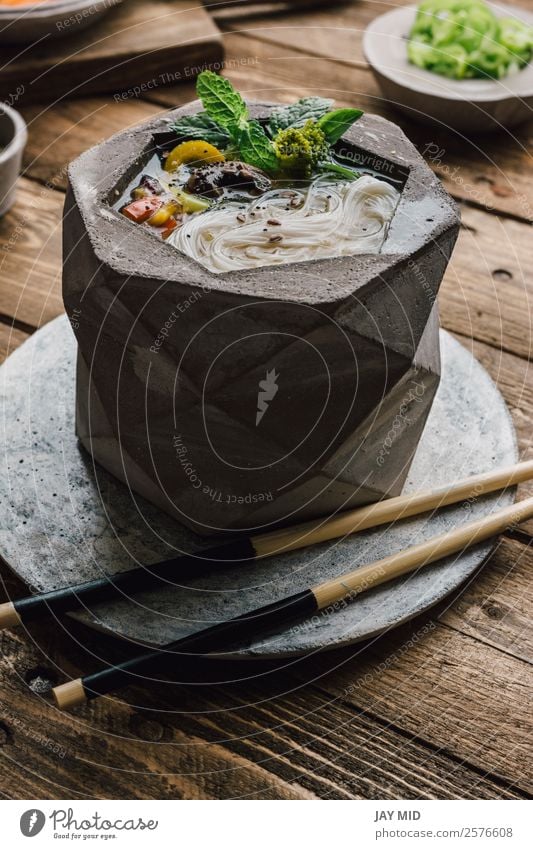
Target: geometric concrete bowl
(475, 105)
(23, 24)
(245, 399)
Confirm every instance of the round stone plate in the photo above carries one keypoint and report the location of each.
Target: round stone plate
(65, 521)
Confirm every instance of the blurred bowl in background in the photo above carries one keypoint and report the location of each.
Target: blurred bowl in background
(468, 106)
(23, 23)
(13, 138)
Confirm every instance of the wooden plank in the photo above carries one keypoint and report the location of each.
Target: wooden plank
(10, 339)
(137, 44)
(114, 752)
(487, 289)
(59, 133)
(203, 742)
(333, 30)
(464, 697)
(334, 751)
(30, 255)
(496, 605)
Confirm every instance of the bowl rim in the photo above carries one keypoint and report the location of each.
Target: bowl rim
(496, 90)
(94, 175)
(20, 137)
(46, 9)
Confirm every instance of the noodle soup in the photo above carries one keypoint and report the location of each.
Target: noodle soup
(302, 198)
(260, 223)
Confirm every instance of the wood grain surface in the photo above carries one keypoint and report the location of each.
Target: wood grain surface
(435, 709)
(138, 44)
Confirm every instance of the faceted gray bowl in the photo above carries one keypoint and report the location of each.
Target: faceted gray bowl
(353, 342)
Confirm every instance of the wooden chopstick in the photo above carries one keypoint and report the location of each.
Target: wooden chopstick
(245, 549)
(305, 603)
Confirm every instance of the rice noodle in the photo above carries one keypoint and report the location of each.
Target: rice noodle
(326, 219)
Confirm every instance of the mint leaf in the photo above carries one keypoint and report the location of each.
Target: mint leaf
(295, 115)
(222, 103)
(256, 148)
(334, 124)
(201, 126)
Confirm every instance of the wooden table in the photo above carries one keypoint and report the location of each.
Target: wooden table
(436, 709)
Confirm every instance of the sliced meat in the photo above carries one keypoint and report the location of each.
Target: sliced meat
(211, 180)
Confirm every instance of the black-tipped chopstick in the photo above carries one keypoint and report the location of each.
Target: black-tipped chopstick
(305, 603)
(244, 549)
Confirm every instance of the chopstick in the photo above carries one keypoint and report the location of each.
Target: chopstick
(305, 603)
(246, 549)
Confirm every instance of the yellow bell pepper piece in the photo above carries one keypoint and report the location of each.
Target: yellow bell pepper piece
(192, 151)
(164, 213)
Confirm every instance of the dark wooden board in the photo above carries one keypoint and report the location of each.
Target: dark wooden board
(138, 46)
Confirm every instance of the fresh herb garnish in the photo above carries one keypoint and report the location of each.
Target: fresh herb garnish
(297, 137)
(335, 124)
(256, 148)
(226, 107)
(201, 126)
(222, 102)
(297, 114)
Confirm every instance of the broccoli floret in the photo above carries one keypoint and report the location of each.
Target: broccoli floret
(300, 149)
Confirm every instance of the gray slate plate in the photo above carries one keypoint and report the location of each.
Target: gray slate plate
(64, 521)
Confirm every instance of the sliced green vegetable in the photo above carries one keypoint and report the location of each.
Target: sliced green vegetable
(190, 203)
(464, 39)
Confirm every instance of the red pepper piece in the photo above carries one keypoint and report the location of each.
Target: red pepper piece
(141, 210)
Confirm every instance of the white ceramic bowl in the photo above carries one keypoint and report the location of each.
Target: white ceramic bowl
(49, 19)
(464, 105)
(13, 138)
